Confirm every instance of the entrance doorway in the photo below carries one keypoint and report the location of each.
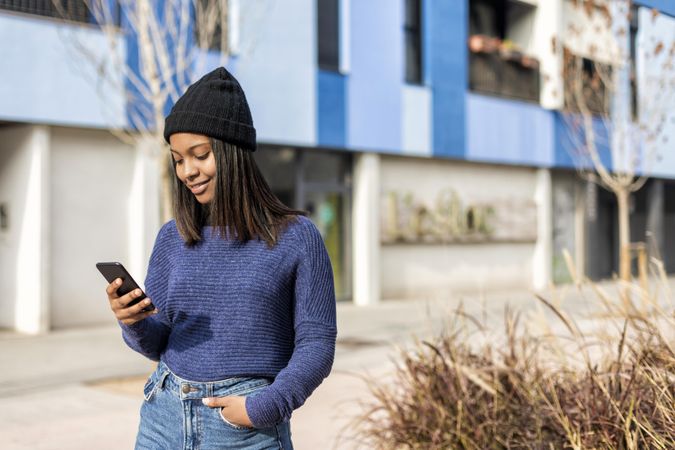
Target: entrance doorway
(317, 181)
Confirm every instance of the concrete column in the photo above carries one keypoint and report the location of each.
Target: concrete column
(548, 26)
(655, 217)
(32, 310)
(143, 208)
(345, 36)
(543, 249)
(366, 229)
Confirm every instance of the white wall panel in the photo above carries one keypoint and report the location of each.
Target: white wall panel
(91, 182)
(418, 270)
(44, 79)
(416, 110)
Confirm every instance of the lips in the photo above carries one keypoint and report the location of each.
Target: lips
(198, 188)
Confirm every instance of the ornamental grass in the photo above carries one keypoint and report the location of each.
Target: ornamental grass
(549, 379)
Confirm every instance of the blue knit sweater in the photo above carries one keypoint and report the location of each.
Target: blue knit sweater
(230, 309)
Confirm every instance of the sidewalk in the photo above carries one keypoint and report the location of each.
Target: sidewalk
(83, 386)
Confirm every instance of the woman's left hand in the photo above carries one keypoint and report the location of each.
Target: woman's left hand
(234, 408)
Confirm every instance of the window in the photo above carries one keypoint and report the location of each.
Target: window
(211, 19)
(75, 10)
(413, 41)
(633, 55)
(489, 18)
(328, 31)
(591, 75)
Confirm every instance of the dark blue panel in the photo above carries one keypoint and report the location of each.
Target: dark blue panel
(570, 146)
(445, 36)
(331, 119)
(508, 131)
(665, 6)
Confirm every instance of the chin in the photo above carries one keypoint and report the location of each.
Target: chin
(205, 199)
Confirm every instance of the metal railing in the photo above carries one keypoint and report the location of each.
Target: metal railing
(504, 75)
(75, 10)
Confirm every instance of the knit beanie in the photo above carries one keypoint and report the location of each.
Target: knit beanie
(214, 106)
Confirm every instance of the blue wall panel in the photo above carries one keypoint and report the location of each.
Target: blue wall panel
(570, 146)
(447, 32)
(44, 78)
(376, 75)
(508, 131)
(665, 6)
(331, 109)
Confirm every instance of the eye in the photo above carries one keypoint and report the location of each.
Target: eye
(204, 156)
(176, 162)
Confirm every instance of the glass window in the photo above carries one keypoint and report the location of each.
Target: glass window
(328, 28)
(210, 19)
(278, 167)
(323, 167)
(413, 41)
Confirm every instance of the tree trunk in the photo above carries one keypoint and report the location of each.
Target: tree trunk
(622, 197)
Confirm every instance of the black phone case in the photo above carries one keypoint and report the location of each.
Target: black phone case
(114, 270)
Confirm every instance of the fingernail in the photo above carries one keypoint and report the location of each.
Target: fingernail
(146, 302)
(137, 292)
(206, 401)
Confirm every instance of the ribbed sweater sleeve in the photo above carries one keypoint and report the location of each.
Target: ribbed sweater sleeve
(315, 334)
(149, 336)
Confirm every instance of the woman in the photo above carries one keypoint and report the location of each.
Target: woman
(244, 327)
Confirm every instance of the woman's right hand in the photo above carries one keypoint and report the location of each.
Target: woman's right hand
(127, 314)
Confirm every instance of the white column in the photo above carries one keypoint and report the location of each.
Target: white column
(366, 229)
(543, 249)
(345, 37)
(32, 312)
(548, 26)
(143, 209)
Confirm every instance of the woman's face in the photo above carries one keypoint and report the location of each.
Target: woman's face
(195, 164)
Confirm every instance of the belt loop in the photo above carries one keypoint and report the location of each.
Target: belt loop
(162, 378)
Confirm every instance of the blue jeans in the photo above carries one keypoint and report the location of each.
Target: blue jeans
(173, 416)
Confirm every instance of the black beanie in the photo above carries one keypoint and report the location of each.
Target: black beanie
(214, 106)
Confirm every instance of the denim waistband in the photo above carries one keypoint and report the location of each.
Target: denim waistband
(164, 378)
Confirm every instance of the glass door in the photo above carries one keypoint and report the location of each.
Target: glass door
(324, 191)
(328, 211)
(317, 181)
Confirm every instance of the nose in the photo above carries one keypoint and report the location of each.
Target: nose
(189, 169)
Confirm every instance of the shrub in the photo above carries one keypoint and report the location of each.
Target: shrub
(608, 387)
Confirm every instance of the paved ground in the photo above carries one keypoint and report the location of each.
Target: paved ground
(81, 388)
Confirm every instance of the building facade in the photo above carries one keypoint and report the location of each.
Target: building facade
(431, 163)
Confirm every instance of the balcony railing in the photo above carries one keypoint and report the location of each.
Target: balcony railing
(497, 69)
(75, 10)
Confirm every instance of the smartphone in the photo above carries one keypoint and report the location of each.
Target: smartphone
(113, 270)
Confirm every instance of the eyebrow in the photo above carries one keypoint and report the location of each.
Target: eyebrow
(189, 148)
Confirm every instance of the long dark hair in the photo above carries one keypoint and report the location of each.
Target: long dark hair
(243, 202)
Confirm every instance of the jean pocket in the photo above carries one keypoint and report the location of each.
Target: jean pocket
(154, 382)
(248, 388)
(230, 424)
